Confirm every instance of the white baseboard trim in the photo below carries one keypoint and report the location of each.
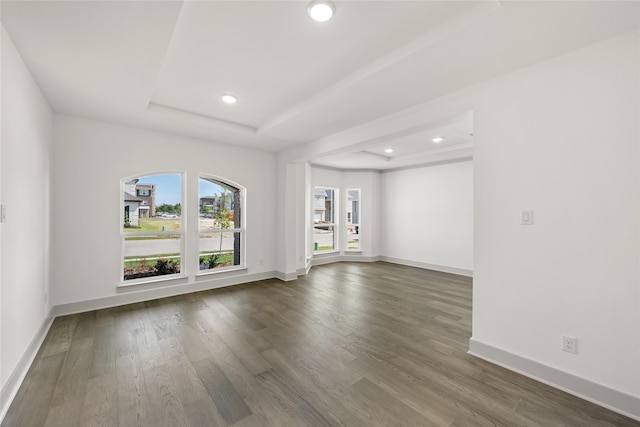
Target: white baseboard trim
(325, 259)
(599, 394)
(360, 258)
(328, 259)
(13, 383)
(128, 296)
(286, 277)
(303, 271)
(427, 266)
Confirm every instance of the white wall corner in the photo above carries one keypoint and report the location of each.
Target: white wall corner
(599, 394)
(286, 277)
(326, 259)
(14, 381)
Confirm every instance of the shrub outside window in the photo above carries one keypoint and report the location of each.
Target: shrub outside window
(152, 232)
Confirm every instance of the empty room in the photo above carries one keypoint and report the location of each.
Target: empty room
(320, 213)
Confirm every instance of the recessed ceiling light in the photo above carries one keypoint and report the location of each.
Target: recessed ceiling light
(388, 150)
(321, 11)
(438, 139)
(229, 99)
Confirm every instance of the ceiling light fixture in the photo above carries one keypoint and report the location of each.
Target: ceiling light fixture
(321, 11)
(229, 99)
(438, 139)
(388, 150)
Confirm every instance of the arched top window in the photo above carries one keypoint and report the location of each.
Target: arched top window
(154, 219)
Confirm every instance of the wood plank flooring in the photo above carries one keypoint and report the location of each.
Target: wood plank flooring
(351, 344)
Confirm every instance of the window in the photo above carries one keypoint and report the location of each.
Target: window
(324, 206)
(143, 192)
(152, 236)
(353, 219)
(221, 228)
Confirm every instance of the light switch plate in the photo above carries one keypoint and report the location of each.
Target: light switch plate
(526, 217)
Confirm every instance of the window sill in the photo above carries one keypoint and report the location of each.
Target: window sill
(154, 279)
(315, 254)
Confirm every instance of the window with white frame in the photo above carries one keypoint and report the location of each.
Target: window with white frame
(152, 240)
(353, 219)
(324, 219)
(221, 224)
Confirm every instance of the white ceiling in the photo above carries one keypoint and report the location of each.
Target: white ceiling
(411, 147)
(162, 65)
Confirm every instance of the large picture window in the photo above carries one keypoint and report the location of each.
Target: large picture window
(221, 229)
(152, 232)
(353, 219)
(324, 207)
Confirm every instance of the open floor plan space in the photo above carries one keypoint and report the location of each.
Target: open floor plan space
(349, 344)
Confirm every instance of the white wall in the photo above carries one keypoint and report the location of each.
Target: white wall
(25, 171)
(92, 157)
(427, 216)
(289, 210)
(304, 212)
(562, 138)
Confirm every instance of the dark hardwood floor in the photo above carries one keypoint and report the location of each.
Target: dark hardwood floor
(352, 344)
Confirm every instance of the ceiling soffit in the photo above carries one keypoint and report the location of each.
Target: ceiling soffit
(283, 66)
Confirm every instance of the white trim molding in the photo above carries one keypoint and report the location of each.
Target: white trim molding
(346, 257)
(202, 283)
(13, 383)
(326, 259)
(599, 394)
(286, 277)
(427, 266)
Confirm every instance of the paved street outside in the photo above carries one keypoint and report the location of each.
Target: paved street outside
(146, 248)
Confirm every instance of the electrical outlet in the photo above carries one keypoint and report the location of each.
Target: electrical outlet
(569, 344)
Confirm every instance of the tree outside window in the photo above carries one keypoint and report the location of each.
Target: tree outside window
(221, 230)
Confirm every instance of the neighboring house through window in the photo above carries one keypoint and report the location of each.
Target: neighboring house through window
(146, 193)
(152, 245)
(324, 205)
